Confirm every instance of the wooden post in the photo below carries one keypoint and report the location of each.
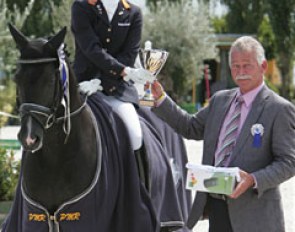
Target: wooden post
(194, 91)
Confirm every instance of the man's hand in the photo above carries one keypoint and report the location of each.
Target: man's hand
(246, 182)
(90, 87)
(138, 75)
(157, 89)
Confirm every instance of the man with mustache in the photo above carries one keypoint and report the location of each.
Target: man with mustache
(249, 127)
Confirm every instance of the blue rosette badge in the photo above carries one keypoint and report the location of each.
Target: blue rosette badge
(257, 132)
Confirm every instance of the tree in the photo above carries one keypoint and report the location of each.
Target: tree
(153, 3)
(266, 36)
(61, 17)
(39, 21)
(10, 169)
(244, 16)
(273, 22)
(8, 55)
(183, 29)
(282, 18)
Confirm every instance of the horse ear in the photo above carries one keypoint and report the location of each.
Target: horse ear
(58, 39)
(20, 40)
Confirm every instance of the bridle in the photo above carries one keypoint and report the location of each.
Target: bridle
(46, 116)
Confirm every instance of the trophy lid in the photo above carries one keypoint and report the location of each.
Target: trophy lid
(148, 45)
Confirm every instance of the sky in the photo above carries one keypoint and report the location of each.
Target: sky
(216, 9)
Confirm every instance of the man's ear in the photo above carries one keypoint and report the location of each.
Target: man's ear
(264, 66)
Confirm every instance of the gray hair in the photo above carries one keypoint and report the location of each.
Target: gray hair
(248, 44)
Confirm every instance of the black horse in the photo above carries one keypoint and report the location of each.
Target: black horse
(79, 172)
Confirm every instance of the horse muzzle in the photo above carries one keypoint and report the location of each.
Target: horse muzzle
(34, 120)
(30, 134)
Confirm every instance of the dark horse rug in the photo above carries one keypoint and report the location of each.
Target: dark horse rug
(107, 205)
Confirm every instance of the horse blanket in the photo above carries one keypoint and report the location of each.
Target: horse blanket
(108, 205)
(173, 152)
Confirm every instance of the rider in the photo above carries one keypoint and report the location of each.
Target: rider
(107, 38)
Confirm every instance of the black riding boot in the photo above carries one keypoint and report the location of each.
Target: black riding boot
(143, 166)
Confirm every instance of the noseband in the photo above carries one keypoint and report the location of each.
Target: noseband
(44, 115)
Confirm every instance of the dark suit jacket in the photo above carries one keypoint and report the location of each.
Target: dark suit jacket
(271, 163)
(104, 48)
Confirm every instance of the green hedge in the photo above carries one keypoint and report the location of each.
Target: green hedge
(9, 174)
(189, 107)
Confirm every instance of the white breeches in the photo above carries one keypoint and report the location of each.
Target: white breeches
(130, 117)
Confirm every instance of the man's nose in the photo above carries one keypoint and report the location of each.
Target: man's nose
(241, 71)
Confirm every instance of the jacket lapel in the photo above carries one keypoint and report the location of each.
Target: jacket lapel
(120, 14)
(252, 118)
(101, 12)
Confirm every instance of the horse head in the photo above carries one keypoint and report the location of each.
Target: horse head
(39, 85)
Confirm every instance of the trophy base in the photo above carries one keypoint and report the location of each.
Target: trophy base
(145, 102)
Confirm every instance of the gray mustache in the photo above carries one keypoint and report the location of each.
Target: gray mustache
(243, 77)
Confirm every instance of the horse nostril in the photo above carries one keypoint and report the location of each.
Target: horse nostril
(30, 141)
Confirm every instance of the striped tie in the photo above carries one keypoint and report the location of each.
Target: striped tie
(230, 136)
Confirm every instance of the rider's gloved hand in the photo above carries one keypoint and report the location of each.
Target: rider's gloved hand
(138, 75)
(90, 87)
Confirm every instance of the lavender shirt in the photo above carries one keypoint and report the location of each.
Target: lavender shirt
(245, 108)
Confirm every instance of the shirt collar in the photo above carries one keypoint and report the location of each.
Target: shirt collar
(110, 3)
(250, 96)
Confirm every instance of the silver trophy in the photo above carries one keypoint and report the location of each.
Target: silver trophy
(152, 60)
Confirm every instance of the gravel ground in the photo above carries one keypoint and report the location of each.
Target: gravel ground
(288, 190)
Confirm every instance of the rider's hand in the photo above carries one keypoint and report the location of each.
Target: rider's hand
(90, 87)
(138, 75)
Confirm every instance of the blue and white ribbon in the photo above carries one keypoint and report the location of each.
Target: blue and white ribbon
(64, 75)
(257, 131)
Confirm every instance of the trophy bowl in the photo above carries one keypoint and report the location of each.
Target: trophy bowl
(153, 61)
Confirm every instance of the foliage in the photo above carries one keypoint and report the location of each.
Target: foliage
(273, 22)
(271, 86)
(7, 100)
(244, 16)
(8, 53)
(267, 38)
(189, 107)
(247, 17)
(61, 17)
(282, 19)
(154, 3)
(219, 24)
(9, 174)
(183, 29)
(39, 21)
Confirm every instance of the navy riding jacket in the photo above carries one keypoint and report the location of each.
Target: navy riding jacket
(104, 48)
